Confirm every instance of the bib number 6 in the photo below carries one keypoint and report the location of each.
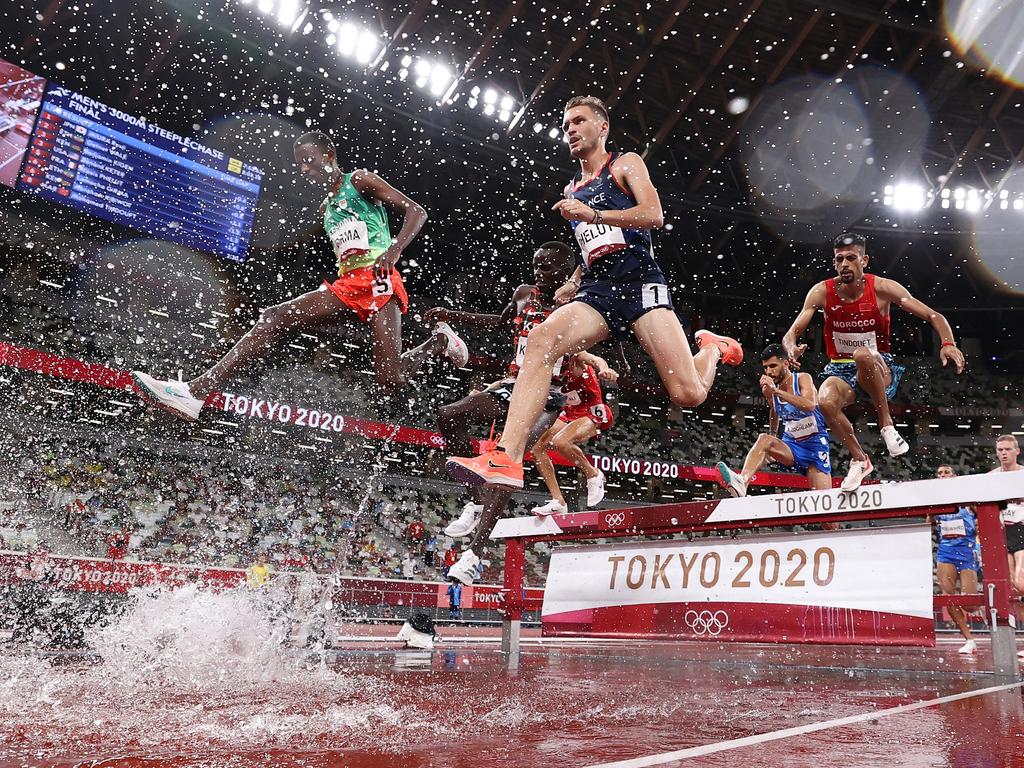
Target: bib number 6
(382, 286)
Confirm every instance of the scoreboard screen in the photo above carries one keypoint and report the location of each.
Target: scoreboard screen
(105, 162)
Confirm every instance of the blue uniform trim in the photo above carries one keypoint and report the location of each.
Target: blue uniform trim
(848, 373)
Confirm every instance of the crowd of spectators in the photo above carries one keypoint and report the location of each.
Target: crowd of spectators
(227, 510)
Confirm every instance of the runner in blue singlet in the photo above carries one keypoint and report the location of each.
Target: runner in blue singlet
(804, 443)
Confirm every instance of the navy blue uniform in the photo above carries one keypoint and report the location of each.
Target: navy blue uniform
(805, 433)
(620, 279)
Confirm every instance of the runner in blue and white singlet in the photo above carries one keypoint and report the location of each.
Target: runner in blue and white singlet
(956, 559)
(804, 443)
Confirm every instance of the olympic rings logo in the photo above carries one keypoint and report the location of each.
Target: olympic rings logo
(614, 518)
(706, 622)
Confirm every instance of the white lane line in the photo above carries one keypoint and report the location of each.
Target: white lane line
(761, 738)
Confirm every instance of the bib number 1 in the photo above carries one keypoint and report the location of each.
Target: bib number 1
(654, 295)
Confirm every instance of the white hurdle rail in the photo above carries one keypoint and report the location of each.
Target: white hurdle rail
(984, 493)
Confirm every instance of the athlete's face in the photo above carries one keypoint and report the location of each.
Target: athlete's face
(585, 130)
(314, 163)
(850, 262)
(775, 368)
(945, 471)
(1007, 453)
(550, 269)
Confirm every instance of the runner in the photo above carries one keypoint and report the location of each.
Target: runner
(856, 306)
(585, 416)
(955, 558)
(1007, 452)
(804, 444)
(368, 287)
(612, 207)
(479, 520)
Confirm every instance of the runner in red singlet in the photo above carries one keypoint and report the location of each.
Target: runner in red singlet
(553, 264)
(856, 306)
(584, 416)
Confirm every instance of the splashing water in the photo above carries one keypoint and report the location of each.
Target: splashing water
(190, 671)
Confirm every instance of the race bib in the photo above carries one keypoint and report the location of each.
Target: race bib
(600, 411)
(654, 295)
(382, 286)
(848, 343)
(572, 398)
(521, 355)
(596, 240)
(1013, 514)
(350, 238)
(952, 529)
(798, 429)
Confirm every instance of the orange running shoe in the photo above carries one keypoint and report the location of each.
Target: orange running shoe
(491, 468)
(732, 352)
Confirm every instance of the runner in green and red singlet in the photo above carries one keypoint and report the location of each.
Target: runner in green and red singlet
(368, 286)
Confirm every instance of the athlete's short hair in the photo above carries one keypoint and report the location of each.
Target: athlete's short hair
(847, 239)
(318, 139)
(588, 101)
(945, 466)
(1007, 439)
(774, 350)
(565, 257)
(557, 246)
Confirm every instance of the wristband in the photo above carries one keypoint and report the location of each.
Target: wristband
(597, 218)
(949, 343)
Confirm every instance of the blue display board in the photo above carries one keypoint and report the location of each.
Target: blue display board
(125, 169)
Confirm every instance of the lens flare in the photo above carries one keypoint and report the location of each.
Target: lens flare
(989, 34)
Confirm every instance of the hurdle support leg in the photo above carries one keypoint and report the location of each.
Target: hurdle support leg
(515, 561)
(1002, 620)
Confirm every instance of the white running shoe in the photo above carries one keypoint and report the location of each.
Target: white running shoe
(734, 484)
(969, 647)
(894, 441)
(595, 489)
(457, 351)
(855, 476)
(466, 569)
(466, 522)
(553, 507)
(173, 396)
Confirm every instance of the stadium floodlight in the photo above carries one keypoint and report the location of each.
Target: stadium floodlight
(406, 61)
(908, 197)
(553, 133)
(366, 47)
(973, 201)
(504, 115)
(289, 13)
(348, 36)
(440, 76)
(507, 102)
(266, 6)
(490, 97)
(488, 109)
(538, 127)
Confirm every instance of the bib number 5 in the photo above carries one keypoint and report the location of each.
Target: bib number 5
(382, 286)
